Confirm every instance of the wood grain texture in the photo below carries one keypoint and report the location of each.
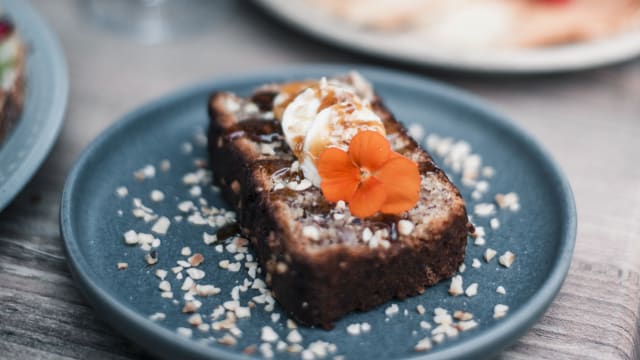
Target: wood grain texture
(589, 121)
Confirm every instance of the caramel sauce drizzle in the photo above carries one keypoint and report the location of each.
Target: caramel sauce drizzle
(290, 91)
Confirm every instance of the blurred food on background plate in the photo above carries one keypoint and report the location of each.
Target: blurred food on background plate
(489, 23)
(12, 63)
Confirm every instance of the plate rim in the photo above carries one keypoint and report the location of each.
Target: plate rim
(138, 328)
(618, 48)
(36, 155)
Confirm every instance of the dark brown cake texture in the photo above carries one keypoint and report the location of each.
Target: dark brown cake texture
(319, 261)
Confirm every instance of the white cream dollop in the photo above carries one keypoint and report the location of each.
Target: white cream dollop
(323, 116)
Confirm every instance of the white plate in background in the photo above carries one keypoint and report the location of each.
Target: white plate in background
(570, 57)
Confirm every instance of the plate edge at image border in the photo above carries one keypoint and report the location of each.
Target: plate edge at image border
(574, 57)
(46, 42)
(137, 327)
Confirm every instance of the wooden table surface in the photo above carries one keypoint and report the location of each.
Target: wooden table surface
(590, 122)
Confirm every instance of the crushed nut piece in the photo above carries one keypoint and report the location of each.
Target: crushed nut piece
(462, 315)
(267, 334)
(416, 131)
(157, 195)
(438, 338)
(165, 165)
(228, 340)
(183, 264)
(489, 254)
(186, 147)
(479, 232)
(275, 317)
(488, 171)
(472, 290)
(392, 310)
(209, 239)
(231, 305)
(365, 327)
(466, 325)
(196, 259)
(294, 336)
(353, 329)
(304, 184)
(186, 206)
(266, 350)
(234, 267)
(311, 232)
(405, 227)
(250, 350)
(242, 312)
(423, 345)
(151, 258)
(122, 191)
(507, 259)
(455, 288)
(500, 310)
(161, 226)
(196, 274)
(484, 209)
(187, 284)
(157, 316)
(267, 149)
(190, 307)
(367, 234)
(130, 237)
(510, 201)
(195, 191)
(164, 285)
(148, 171)
(207, 290)
(186, 332)
(195, 320)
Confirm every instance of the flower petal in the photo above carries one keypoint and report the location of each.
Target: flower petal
(340, 176)
(368, 198)
(369, 149)
(401, 181)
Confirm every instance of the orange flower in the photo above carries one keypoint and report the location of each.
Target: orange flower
(370, 176)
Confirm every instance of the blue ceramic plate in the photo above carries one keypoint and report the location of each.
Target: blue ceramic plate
(47, 86)
(541, 233)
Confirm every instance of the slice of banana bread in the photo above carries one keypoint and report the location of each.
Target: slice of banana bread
(320, 262)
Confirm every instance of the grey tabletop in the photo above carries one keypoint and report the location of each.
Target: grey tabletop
(590, 122)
